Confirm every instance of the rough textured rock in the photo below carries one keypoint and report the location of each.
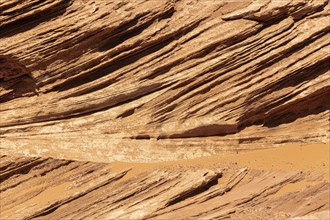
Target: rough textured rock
(231, 72)
(87, 83)
(61, 189)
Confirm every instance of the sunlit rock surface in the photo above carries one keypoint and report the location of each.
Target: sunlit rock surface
(85, 83)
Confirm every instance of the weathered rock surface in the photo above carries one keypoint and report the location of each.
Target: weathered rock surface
(61, 189)
(204, 73)
(85, 83)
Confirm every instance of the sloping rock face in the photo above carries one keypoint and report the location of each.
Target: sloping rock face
(62, 189)
(84, 83)
(143, 80)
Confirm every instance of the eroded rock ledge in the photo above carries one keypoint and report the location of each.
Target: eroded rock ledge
(61, 189)
(105, 76)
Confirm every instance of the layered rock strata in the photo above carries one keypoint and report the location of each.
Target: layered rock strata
(45, 188)
(162, 76)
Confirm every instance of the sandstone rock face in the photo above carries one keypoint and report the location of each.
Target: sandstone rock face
(102, 102)
(45, 188)
(161, 76)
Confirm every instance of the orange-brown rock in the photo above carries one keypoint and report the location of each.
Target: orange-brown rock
(129, 73)
(210, 188)
(85, 83)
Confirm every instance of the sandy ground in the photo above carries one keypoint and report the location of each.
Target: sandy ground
(289, 157)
